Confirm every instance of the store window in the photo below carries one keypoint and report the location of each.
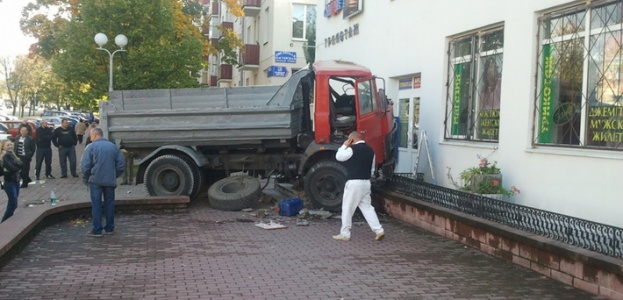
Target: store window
(474, 82)
(303, 19)
(580, 82)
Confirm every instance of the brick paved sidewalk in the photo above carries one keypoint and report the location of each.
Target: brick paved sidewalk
(66, 188)
(210, 254)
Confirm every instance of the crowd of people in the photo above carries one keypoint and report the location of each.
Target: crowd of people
(101, 164)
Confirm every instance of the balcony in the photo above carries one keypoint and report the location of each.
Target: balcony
(228, 25)
(215, 8)
(205, 30)
(251, 8)
(250, 57)
(225, 72)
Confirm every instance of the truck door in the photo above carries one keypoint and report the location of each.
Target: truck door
(369, 115)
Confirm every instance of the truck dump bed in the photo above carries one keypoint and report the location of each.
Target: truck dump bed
(204, 116)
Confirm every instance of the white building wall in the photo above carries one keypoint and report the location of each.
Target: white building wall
(400, 37)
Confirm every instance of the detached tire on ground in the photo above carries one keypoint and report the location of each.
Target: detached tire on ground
(169, 175)
(234, 193)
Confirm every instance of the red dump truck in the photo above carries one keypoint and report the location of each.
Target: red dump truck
(184, 139)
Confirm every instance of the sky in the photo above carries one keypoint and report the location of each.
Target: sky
(12, 41)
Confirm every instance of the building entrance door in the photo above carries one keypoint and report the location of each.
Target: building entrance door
(409, 115)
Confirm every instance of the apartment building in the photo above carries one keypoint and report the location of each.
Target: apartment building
(274, 34)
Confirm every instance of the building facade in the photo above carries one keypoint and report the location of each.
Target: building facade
(274, 34)
(533, 85)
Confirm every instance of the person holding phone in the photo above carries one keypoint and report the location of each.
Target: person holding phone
(358, 158)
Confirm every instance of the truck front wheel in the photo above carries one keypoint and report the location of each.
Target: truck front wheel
(169, 175)
(324, 185)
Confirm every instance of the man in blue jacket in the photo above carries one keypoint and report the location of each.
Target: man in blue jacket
(101, 164)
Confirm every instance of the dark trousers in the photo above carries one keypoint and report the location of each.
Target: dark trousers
(12, 192)
(65, 153)
(79, 138)
(40, 155)
(25, 169)
(108, 193)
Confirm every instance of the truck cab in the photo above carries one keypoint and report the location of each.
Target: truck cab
(347, 99)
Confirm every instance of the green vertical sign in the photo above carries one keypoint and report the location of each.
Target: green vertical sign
(547, 96)
(456, 98)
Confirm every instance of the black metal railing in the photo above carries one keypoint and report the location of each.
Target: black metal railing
(589, 235)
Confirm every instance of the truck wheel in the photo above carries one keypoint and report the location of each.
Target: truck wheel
(324, 185)
(234, 193)
(197, 175)
(168, 175)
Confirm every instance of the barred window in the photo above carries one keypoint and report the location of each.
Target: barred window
(580, 87)
(474, 82)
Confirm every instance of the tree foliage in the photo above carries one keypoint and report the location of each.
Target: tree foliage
(164, 46)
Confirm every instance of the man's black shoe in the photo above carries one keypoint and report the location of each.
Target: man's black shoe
(24, 186)
(37, 178)
(64, 176)
(74, 175)
(48, 177)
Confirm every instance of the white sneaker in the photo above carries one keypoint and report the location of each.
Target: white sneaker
(379, 236)
(340, 237)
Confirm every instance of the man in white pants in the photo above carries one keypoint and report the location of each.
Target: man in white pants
(358, 158)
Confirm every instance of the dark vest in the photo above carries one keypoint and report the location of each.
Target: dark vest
(359, 166)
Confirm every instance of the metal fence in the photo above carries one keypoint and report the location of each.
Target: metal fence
(589, 235)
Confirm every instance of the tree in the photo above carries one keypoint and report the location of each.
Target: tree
(164, 50)
(309, 47)
(22, 79)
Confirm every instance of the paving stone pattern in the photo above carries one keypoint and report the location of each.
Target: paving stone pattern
(210, 254)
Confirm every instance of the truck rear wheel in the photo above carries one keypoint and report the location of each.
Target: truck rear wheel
(198, 176)
(324, 185)
(234, 193)
(169, 175)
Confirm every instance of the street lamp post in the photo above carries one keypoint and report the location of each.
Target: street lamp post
(121, 41)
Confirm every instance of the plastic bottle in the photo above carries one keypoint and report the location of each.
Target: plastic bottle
(52, 198)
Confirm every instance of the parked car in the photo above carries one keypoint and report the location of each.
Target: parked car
(4, 132)
(7, 117)
(13, 128)
(79, 115)
(55, 121)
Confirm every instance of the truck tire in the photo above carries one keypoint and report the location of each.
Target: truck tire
(234, 193)
(197, 175)
(324, 185)
(169, 175)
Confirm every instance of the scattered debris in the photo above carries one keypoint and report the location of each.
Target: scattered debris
(302, 222)
(248, 209)
(270, 226)
(244, 220)
(77, 222)
(320, 213)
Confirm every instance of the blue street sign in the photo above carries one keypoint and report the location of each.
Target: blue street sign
(277, 71)
(285, 57)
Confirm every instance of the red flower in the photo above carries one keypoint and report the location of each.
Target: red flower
(495, 182)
